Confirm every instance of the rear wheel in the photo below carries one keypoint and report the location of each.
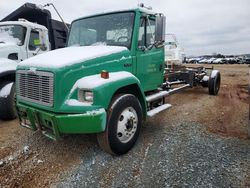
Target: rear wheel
(214, 83)
(123, 125)
(8, 101)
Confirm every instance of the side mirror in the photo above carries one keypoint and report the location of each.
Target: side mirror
(160, 29)
(43, 47)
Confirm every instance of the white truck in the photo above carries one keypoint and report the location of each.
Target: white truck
(21, 39)
(174, 53)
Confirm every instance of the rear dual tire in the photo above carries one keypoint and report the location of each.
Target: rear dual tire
(214, 83)
(123, 125)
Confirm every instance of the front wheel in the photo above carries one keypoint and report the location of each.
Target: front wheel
(123, 125)
(7, 101)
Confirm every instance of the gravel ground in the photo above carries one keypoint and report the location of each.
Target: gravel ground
(181, 156)
(201, 141)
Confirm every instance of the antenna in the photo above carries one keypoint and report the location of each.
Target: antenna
(48, 4)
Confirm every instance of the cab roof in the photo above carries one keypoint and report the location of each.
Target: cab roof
(137, 9)
(24, 23)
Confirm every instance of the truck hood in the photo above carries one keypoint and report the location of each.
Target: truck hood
(70, 56)
(8, 48)
(7, 65)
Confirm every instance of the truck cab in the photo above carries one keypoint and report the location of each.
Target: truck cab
(19, 40)
(22, 39)
(134, 31)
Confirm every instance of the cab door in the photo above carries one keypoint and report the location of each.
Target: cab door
(150, 60)
(33, 47)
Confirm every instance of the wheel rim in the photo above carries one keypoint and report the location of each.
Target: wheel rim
(127, 125)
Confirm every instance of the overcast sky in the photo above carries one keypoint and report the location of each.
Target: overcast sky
(201, 26)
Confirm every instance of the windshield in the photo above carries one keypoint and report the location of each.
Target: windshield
(12, 33)
(112, 29)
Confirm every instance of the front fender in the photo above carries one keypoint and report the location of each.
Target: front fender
(104, 93)
(104, 89)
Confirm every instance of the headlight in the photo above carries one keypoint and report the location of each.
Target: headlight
(85, 96)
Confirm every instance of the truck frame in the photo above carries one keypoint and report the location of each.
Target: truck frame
(110, 78)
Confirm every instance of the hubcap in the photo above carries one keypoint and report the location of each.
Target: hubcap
(127, 125)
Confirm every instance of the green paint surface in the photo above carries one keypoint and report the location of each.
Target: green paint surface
(58, 124)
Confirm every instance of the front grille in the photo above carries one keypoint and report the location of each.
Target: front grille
(35, 86)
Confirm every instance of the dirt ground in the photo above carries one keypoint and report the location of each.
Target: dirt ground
(199, 134)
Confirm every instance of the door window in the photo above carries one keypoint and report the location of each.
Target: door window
(34, 40)
(142, 31)
(148, 38)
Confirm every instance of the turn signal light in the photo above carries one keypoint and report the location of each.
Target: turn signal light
(105, 74)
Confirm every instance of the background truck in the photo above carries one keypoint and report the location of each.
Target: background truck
(109, 79)
(174, 53)
(26, 32)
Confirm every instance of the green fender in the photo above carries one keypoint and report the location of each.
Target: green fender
(105, 89)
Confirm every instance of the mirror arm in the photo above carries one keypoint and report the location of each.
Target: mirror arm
(156, 44)
(143, 48)
(36, 52)
(159, 44)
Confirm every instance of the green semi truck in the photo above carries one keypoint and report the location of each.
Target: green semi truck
(107, 81)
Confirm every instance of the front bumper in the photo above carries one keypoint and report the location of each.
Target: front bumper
(54, 125)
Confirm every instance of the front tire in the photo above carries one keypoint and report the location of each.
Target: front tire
(7, 101)
(123, 125)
